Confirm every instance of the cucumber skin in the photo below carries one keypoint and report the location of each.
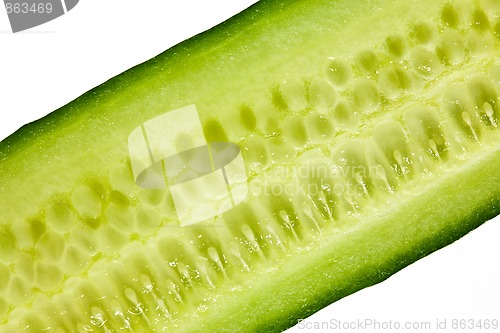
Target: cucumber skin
(73, 110)
(473, 218)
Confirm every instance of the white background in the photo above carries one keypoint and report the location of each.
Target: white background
(50, 65)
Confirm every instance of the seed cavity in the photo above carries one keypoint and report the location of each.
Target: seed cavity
(339, 72)
(214, 131)
(486, 100)
(391, 139)
(289, 224)
(86, 202)
(254, 150)
(247, 117)
(490, 113)
(295, 130)
(368, 61)
(480, 20)
(322, 96)
(421, 33)
(395, 79)
(425, 62)
(424, 126)
(352, 173)
(294, 95)
(50, 247)
(451, 48)
(366, 95)
(8, 241)
(449, 15)
(319, 126)
(278, 100)
(396, 46)
(345, 115)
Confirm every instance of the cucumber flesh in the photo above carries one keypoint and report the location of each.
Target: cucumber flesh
(385, 113)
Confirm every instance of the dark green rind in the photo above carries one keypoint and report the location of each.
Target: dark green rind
(382, 246)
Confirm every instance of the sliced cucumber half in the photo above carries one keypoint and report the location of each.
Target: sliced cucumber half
(370, 139)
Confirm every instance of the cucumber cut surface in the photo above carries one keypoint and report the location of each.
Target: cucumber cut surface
(358, 155)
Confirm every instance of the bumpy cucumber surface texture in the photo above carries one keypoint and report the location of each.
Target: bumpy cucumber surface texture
(369, 133)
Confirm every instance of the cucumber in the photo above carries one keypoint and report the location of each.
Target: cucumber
(407, 116)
